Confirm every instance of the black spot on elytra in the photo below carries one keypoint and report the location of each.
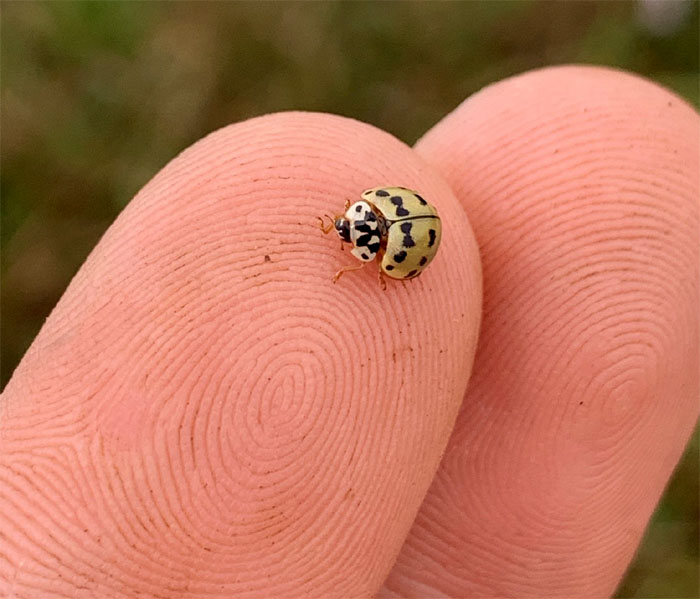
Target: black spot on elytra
(421, 200)
(389, 267)
(431, 234)
(381, 193)
(400, 256)
(423, 260)
(398, 202)
(411, 274)
(407, 239)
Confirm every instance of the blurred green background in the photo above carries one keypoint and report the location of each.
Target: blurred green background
(98, 96)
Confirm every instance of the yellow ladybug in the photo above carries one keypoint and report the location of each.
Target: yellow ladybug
(393, 224)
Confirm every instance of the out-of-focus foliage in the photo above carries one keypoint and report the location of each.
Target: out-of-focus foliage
(98, 96)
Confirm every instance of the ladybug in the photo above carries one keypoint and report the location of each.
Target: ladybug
(392, 224)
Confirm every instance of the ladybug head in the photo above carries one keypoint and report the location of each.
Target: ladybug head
(342, 227)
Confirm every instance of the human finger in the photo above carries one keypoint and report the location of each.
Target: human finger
(205, 414)
(582, 188)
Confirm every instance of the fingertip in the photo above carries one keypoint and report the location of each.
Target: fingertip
(266, 430)
(582, 186)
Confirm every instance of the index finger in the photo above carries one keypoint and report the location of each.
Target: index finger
(205, 414)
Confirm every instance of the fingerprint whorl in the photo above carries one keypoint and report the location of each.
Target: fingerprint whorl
(273, 431)
(253, 459)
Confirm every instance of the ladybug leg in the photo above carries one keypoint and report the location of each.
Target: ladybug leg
(347, 205)
(382, 282)
(347, 269)
(325, 228)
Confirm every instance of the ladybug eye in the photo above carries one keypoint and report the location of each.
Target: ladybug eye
(342, 226)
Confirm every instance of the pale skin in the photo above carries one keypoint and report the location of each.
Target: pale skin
(194, 420)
